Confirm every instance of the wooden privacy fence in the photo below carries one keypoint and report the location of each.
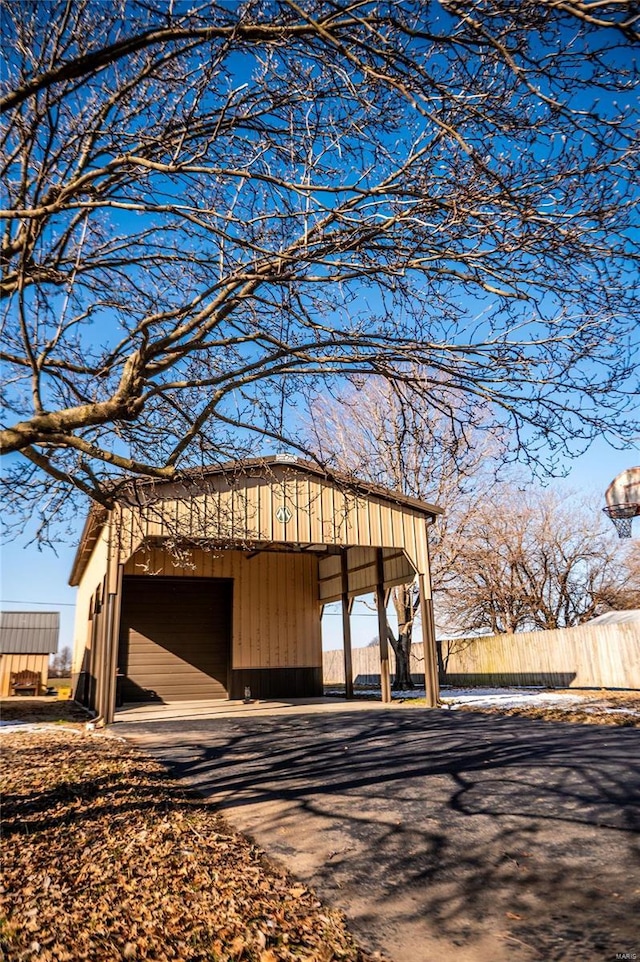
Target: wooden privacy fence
(366, 665)
(597, 656)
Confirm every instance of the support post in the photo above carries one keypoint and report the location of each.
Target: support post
(101, 650)
(106, 694)
(346, 626)
(431, 686)
(91, 686)
(115, 600)
(385, 674)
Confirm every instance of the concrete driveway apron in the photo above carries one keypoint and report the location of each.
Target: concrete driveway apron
(441, 835)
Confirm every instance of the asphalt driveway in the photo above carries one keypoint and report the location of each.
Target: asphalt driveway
(442, 835)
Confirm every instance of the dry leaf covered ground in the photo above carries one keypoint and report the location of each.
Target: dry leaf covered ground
(106, 858)
(34, 710)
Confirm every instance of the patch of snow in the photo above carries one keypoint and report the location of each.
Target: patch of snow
(602, 710)
(454, 698)
(7, 727)
(510, 698)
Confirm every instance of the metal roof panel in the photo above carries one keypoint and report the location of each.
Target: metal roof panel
(29, 632)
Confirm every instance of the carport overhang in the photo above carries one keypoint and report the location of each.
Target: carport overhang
(367, 540)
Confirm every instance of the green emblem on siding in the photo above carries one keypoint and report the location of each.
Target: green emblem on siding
(283, 514)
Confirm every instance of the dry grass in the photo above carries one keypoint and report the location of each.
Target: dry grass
(597, 707)
(106, 858)
(41, 710)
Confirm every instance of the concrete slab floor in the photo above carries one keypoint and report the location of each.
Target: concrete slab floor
(196, 710)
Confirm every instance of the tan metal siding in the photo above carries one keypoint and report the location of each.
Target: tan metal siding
(362, 576)
(276, 615)
(321, 513)
(361, 564)
(93, 576)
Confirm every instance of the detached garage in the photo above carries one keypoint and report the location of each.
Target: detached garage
(197, 588)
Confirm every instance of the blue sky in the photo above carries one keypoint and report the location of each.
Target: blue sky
(36, 579)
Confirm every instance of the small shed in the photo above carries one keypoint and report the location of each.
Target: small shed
(27, 638)
(201, 587)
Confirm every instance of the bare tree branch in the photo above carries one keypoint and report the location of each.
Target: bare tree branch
(222, 210)
(539, 560)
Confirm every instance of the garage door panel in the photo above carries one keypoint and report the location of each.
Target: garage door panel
(175, 637)
(175, 668)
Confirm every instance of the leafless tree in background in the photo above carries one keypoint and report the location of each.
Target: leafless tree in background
(60, 663)
(451, 457)
(213, 210)
(540, 560)
(506, 557)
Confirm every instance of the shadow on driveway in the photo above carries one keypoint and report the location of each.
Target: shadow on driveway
(441, 835)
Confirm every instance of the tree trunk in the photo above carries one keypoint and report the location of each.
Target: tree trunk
(441, 664)
(403, 602)
(402, 650)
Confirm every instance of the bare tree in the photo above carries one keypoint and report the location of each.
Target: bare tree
(540, 560)
(60, 665)
(210, 209)
(383, 432)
